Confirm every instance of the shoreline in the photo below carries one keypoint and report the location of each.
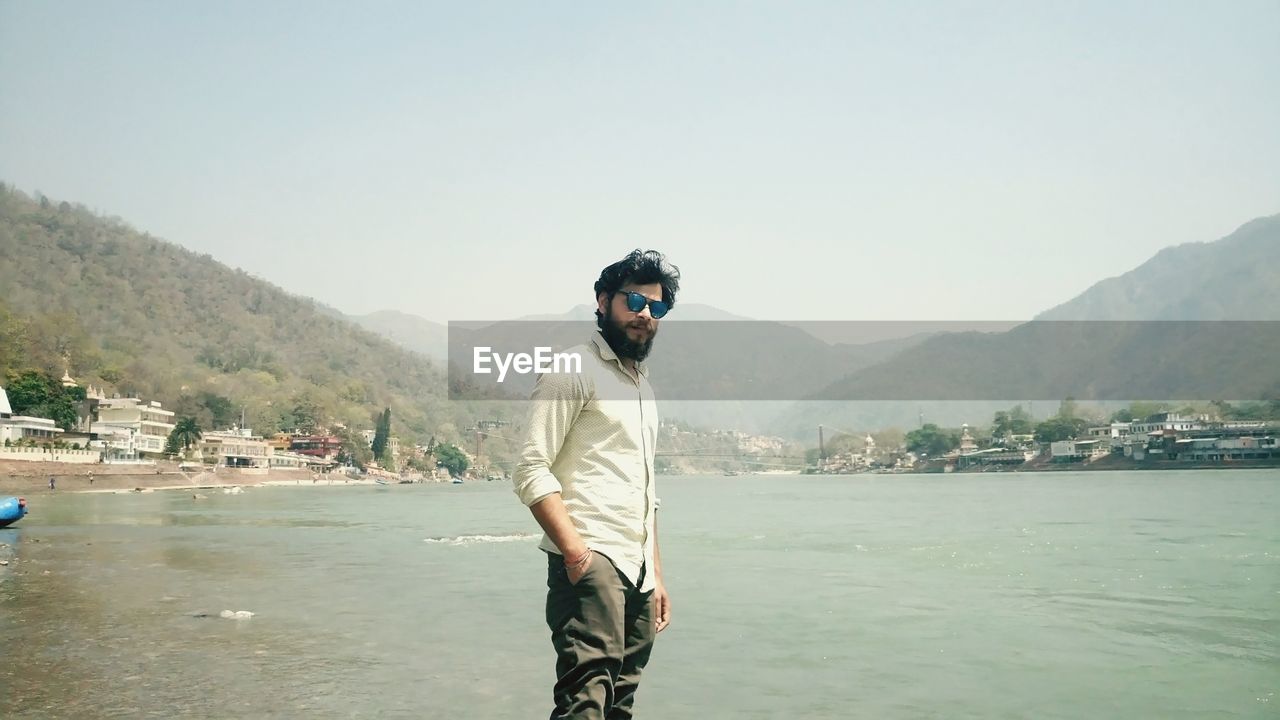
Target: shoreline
(32, 479)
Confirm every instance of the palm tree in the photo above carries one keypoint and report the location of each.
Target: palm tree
(187, 432)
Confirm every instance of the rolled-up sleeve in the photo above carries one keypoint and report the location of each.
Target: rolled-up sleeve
(556, 401)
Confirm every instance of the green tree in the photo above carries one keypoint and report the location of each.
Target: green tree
(1014, 421)
(931, 440)
(382, 435)
(222, 412)
(1138, 411)
(37, 394)
(355, 451)
(1060, 428)
(187, 432)
(28, 390)
(452, 459)
(306, 415)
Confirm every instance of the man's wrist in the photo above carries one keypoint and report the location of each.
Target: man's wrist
(575, 556)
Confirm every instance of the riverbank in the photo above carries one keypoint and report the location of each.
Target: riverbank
(1117, 463)
(30, 479)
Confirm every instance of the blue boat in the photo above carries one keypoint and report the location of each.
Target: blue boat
(12, 509)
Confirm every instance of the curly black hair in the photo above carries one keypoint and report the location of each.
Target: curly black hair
(640, 267)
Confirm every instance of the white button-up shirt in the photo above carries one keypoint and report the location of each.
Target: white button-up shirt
(591, 438)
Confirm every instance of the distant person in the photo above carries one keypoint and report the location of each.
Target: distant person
(587, 473)
(51, 483)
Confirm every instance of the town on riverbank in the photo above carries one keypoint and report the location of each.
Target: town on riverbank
(127, 443)
(1159, 441)
(117, 443)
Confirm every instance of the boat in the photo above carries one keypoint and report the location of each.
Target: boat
(12, 509)
(381, 481)
(456, 481)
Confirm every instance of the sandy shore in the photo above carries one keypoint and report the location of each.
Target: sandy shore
(31, 479)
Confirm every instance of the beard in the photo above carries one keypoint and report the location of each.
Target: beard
(615, 333)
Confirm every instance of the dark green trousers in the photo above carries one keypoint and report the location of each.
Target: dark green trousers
(602, 629)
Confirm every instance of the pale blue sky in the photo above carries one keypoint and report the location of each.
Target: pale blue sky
(812, 161)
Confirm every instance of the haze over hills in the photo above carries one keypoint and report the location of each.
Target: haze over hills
(1108, 352)
(141, 316)
(144, 316)
(431, 338)
(409, 331)
(1234, 278)
(927, 372)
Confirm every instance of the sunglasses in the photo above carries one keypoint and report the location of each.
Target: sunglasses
(636, 303)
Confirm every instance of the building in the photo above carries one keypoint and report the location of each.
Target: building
(17, 428)
(1166, 424)
(994, 456)
(1116, 434)
(237, 447)
(1079, 450)
(285, 459)
(319, 446)
(148, 423)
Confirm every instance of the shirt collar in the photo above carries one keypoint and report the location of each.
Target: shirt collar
(607, 353)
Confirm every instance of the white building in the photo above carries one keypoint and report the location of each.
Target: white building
(15, 428)
(1077, 450)
(1166, 423)
(148, 424)
(1115, 434)
(237, 447)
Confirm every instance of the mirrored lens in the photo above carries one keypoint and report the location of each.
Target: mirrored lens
(635, 301)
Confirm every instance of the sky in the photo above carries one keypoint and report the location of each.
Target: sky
(797, 161)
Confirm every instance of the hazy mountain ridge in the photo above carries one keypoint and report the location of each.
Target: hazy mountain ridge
(1234, 278)
(410, 331)
(144, 316)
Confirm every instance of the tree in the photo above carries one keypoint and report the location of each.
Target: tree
(1060, 428)
(1138, 411)
(171, 444)
(931, 440)
(355, 451)
(1067, 408)
(221, 410)
(37, 394)
(452, 459)
(382, 435)
(306, 415)
(187, 433)
(1014, 421)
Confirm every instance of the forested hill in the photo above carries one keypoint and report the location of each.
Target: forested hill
(1234, 278)
(142, 316)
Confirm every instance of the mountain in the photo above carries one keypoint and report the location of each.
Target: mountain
(408, 331)
(682, 311)
(1234, 278)
(431, 339)
(141, 316)
(1214, 339)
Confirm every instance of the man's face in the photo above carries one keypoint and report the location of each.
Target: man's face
(630, 334)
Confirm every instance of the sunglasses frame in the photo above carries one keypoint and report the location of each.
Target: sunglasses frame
(653, 305)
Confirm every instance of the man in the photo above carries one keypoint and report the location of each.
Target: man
(586, 473)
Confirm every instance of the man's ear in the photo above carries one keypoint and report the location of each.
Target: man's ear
(602, 298)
